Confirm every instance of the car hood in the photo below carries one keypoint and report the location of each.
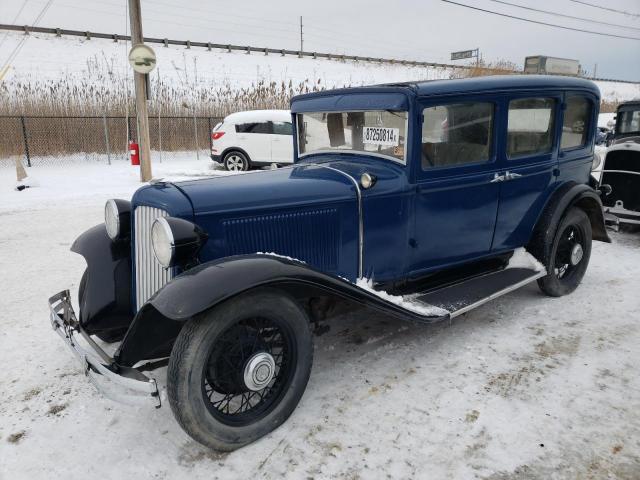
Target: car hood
(268, 189)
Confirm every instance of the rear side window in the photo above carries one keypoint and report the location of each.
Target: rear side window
(530, 126)
(576, 123)
(282, 128)
(456, 134)
(255, 127)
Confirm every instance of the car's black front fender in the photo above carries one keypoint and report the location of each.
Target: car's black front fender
(160, 320)
(105, 299)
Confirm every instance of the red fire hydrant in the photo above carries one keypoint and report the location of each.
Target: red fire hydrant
(134, 153)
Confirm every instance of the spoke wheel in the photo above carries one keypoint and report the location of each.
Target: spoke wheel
(570, 252)
(565, 252)
(238, 370)
(240, 391)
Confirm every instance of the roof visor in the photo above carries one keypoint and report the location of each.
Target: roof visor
(358, 100)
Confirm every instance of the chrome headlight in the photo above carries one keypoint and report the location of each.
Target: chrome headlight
(117, 218)
(176, 241)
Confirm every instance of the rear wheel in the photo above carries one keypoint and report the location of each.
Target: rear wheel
(236, 162)
(566, 254)
(238, 371)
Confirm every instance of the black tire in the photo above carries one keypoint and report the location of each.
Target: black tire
(236, 161)
(197, 376)
(554, 249)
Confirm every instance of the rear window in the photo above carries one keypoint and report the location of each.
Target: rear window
(576, 123)
(255, 127)
(530, 126)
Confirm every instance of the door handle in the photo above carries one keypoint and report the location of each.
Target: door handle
(497, 178)
(511, 175)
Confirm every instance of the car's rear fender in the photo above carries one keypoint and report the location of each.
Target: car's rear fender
(568, 195)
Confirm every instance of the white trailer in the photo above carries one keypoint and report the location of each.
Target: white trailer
(543, 65)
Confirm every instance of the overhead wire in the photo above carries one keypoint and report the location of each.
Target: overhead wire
(15, 19)
(14, 53)
(558, 14)
(564, 27)
(609, 9)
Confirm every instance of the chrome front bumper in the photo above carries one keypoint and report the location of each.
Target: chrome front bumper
(617, 214)
(122, 384)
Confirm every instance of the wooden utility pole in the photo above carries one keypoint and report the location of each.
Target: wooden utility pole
(301, 41)
(140, 81)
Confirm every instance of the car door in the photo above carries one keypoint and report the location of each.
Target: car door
(457, 188)
(529, 162)
(282, 142)
(255, 139)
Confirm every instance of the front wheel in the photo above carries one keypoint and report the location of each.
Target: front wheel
(566, 254)
(239, 370)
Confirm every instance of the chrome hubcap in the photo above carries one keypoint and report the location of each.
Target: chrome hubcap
(259, 371)
(576, 254)
(235, 163)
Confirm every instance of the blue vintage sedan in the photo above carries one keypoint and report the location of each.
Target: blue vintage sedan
(422, 200)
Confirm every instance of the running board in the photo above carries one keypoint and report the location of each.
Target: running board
(461, 297)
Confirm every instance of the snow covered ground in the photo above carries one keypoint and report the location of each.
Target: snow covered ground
(48, 57)
(524, 387)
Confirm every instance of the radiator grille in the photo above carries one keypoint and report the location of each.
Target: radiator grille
(312, 236)
(150, 275)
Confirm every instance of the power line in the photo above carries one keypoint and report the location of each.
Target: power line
(18, 47)
(15, 19)
(541, 23)
(563, 15)
(606, 8)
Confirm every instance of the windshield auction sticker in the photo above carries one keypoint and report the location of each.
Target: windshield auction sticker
(381, 136)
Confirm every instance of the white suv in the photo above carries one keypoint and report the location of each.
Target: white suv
(255, 138)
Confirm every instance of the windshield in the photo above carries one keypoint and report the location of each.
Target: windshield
(628, 121)
(375, 132)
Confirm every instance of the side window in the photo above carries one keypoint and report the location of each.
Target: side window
(282, 128)
(456, 134)
(530, 126)
(576, 122)
(628, 121)
(254, 127)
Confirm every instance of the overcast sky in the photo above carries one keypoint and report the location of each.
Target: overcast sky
(423, 30)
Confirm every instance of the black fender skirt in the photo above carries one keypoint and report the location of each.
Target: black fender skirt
(105, 295)
(159, 321)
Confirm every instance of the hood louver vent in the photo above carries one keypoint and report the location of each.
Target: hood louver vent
(311, 236)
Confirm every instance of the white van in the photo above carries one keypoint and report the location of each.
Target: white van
(251, 139)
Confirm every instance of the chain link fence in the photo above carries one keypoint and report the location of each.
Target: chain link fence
(58, 141)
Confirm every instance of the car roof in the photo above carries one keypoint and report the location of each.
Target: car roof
(469, 85)
(259, 116)
(630, 103)
(501, 82)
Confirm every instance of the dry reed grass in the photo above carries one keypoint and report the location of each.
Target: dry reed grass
(102, 90)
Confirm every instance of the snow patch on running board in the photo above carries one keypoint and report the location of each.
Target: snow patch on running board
(523, 259)
(405, 302)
